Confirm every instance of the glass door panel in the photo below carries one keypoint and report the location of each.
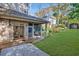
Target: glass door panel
(30, 31)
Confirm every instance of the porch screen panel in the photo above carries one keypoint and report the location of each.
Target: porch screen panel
(37, 30)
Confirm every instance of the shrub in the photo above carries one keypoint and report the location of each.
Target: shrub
(50, 31)
(61, 26)
(56, 29)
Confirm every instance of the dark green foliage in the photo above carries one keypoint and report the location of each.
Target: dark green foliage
(74, 11)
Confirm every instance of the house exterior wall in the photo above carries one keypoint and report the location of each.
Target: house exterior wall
(8, 23)
(6, 31)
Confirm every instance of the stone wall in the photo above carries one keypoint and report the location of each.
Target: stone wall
(6, 31)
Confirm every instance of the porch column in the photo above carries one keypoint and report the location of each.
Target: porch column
(46, 34)
(41, 29)
(26, 31)
(33, 31)
(11, 35)
(42, 34)
(11, 32)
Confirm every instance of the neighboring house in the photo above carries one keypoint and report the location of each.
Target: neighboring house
(15, 22)
(52, 21)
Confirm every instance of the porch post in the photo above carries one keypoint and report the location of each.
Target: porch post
(46, 30)
(11, 35)
(41, 31)
(33, 31)
(11, 30)
(26, 31)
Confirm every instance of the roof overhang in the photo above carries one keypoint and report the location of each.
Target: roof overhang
(15, 15)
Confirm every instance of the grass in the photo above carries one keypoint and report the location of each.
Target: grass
(64, 43)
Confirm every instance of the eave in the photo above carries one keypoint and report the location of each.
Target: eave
(15, 15)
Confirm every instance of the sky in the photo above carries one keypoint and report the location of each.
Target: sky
(38, 6)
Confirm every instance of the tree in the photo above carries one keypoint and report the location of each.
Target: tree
(61, 11)
(74, 14)
(58, 11)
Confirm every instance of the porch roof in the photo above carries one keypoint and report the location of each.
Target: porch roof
(16, 15)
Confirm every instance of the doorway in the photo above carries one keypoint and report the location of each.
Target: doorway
(30, 31)
(18, 32)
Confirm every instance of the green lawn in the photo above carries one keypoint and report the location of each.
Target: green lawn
(60, 44)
